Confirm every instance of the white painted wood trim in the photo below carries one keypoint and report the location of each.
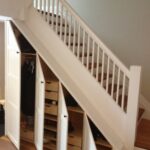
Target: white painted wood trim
(133, 105)
(136, 148)
(56, 55)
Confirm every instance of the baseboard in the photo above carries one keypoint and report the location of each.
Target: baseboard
(136, 148)
(144, 103)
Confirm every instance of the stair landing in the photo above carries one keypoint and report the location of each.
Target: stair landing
(143, 134)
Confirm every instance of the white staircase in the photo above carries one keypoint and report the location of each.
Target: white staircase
(106, 90)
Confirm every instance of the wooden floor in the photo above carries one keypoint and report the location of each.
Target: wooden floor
(5, 144)
(143, 135)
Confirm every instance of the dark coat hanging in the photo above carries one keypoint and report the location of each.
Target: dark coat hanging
(28, 88)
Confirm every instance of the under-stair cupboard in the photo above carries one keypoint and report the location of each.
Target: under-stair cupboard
(60, 123)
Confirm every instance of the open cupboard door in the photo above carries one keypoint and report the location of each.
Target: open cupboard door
(12, 89)
(62, 121)
(39, 107)
(88, 140)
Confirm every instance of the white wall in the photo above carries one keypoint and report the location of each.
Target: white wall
(2, 71)
(124, 26)
(11, 8)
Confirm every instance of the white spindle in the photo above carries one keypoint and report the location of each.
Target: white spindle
(97, 63)
(113, 80)
(74, 36)
(83, 47)
(69, 36)
(107, 74)
(48, 11)
(66, 24)
(123, 93)
(78, 43)
(44, 9)
(41, 3)
(93, 55)
(118, 86)
(61, 21)
(57, 15)
(52, 14)
(102, 71)
(36, 4)
(88, 51)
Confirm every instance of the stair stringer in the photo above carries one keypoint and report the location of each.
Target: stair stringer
(92, 98)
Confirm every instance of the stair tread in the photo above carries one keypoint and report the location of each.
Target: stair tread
(63, 33)
(104, 76)
(110, 88)
(95, 65)
(59, 24)
(85, 54)
(143, 134)
(141, 111)
(76, 44)
(55, 15)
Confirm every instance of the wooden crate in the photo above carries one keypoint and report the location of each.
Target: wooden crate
(52, 86)
(51, 109)
(51, 95)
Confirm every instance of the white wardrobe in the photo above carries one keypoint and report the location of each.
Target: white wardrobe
(63, 139)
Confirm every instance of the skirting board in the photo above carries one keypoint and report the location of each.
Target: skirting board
(136, 148)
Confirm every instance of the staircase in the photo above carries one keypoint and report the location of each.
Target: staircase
(107, 82)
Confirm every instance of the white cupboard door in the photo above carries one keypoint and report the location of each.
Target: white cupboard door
(88, 140)
(39, 106)
(62, 122)
(12, 89)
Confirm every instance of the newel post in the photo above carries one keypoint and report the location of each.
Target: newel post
(133, 105)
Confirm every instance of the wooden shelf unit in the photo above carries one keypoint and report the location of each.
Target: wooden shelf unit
(50, 108)
(51, 114)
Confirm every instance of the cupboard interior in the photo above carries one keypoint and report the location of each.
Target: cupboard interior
(51, 108)
(75, 122)
(28, 71)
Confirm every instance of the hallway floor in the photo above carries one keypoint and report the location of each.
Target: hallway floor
(5, 144)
